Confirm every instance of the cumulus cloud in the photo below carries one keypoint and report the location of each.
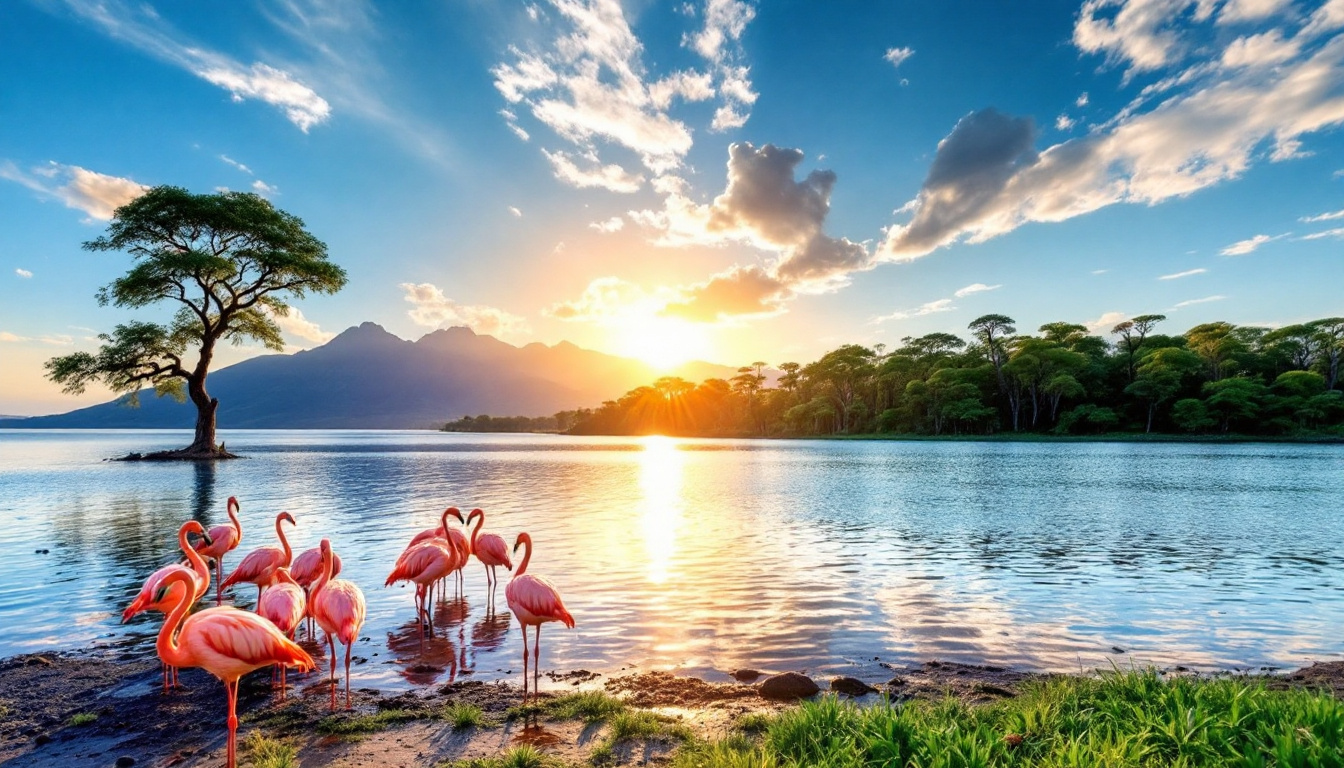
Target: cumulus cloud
(603, 299)
(987, 178)
(96, 194)
(975, 288)
(1142, 34)
(1107, 321)
(25, 274)
(610, 177)
(739, 292)
(1186, 273)
(431, 309)
(515, 211)
(590, 86)
(295, 324)
(264, 189)
(1243, 247)
(1064, 122)
(927, 308)
(1234, 11)
(614, 224)
(301, 104)
(897, 56)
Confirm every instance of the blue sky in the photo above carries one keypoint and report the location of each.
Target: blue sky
(719, 179)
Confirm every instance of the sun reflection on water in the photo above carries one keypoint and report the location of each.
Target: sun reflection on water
(660, 483)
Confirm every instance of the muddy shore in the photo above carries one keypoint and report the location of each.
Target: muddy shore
(103, 710)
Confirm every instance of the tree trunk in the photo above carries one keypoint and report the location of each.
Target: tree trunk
(1152, 406)
(206, 406)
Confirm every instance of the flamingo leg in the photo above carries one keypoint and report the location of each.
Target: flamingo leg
(536, 659)
(524, 626)
(232, 689)
(347, 673)
(219, 580)
(332, 642)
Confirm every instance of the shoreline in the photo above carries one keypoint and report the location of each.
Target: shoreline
(104, 708)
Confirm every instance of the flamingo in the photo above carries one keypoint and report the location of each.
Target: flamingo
(284, 604)
(338, 607)
(535, 601)
(444, 532)
(489, 548)
(224, 641)
(305, 570)
(200, 574)
(260, 565)
(425, 563)
(222, 540)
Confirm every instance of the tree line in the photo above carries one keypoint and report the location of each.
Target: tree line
(1216, 378)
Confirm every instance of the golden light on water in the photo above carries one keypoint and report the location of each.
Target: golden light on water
(660, 483)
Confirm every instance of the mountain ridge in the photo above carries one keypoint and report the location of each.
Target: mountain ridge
(369, 378)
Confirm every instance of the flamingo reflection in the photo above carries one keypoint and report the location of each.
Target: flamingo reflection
(423, 659)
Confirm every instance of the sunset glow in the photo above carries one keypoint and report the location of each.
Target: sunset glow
(663, 342)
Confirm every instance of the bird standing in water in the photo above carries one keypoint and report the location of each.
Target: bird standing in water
(145, 600)
(338, 607)
(425, 563)
(490, 549)
(222, 540)
(284, 605)
(305, 570)
(535, 601)
(260, 565)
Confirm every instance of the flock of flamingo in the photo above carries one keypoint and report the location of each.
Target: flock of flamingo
(229, 642)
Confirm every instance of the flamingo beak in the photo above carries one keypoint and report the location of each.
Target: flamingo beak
(209, 542)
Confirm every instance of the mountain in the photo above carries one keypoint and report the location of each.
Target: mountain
(367, 378)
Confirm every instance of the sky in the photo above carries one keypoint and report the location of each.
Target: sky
(727, 180)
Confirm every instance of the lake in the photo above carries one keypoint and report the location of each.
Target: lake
(703, 556)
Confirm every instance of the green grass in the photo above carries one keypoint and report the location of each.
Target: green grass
(358, 725)
(753, 722)
(83, 718)
(464, 715)
(588, 706)
(265, 752)
(1122, 719)
(518, 757)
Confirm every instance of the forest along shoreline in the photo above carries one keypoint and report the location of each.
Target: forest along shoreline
(106, 708)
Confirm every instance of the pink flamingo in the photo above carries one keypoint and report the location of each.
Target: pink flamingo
(224, 641)
(489, 548)
(200, 575)
(284, 604)
(444, 532)
(535, 601)
(425, 563)
(260, 565)
(222, 540)
(338, 607)
(305, 570)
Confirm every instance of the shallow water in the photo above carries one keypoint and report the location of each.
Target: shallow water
(704, 556)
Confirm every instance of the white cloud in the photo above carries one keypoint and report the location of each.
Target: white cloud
(1100, 271)
(514, 210)
(725, 21)
(975, 288)
(927, 308)
(1106, 321)
(230, 161)
(1243, 247)
(1337, 232)
(55, 340)
(264, 189)
(1186, 273)
(431, 309)
(897, 56)
(96, 194)
(1328, 216)
(614, 224)
(1082, 100)
(296, 325)
(988, 178)
(144, 29)
(1063, 123)
(1234, 11)
(611, 177)
(1140, 33)
(1192, 302)
(1262, 50)
(603, 299)
(25, 274)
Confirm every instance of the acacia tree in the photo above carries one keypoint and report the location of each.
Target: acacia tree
(229, 262)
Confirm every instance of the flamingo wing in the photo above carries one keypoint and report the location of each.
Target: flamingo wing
(283, 605)
(422, 563)
(218, 636)
(533, 600)
(339, 609)
(306, 567)
(258, 567)
(492, 550)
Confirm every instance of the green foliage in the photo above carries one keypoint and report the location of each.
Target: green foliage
(82, 718)
(463, 715)
(264, 752)
(487, 423)
(1121, 719)
(525, 756)
(355, 725)
(1066, 381)
(589, 706)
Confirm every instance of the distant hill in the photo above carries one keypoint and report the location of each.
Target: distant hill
(367, 378)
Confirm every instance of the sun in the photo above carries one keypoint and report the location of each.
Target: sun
(663, 342)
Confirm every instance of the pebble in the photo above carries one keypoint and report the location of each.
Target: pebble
(125, 761)
(746, 675)
(851, 686)
(788, 686)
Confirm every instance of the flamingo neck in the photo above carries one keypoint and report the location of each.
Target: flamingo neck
(284, 543)
(167, 646)
(480, 520)
(197, 562)
(443, 524)
(233, 518)
(323, 576)
(283, 576)
(527, 555)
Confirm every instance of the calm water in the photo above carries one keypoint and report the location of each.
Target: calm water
(705, 556)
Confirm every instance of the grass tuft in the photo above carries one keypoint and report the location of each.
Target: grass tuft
(589, 706)
(265, 752)
(753, 722)
(464, 715)
(525, 756)
(357, 725)
(82, 718)
(1119, 719)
